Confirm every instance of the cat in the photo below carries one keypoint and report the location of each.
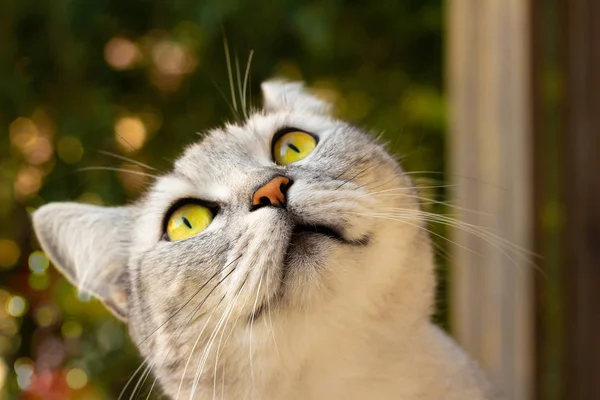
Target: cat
(284, 257)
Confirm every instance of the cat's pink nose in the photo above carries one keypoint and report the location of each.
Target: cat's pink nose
(272, 194)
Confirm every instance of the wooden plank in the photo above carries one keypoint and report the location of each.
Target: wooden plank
(549, 382)
(490, 157)
(580, 29)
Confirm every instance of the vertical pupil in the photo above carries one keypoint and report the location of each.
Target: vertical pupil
(291, 146)
(186, 222)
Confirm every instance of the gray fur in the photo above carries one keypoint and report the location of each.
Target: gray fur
(232, 312)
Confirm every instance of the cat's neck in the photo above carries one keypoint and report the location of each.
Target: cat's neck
(349, 365)
(373, 335)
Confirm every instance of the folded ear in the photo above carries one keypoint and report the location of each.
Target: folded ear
(90, 246)
(281, 95)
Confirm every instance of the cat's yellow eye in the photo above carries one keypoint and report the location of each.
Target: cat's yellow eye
(293, 146)
(187, 221)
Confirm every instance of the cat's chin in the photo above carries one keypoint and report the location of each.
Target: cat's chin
(306, 251)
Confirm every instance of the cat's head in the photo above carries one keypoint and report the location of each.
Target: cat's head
(292, 215)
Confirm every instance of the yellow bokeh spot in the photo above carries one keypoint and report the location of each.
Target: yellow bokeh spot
(46, 316)
(16, 306)
(6, 344)
(130, 133)
(26, 136)
(3, 373)
(77, 378)
(71, 329)
(23, 133)
(70, 149)
(39, 281)
(27, 182)
(187, 221)
(292, 147)
(9, 253)
(4, 297)
(10, 328)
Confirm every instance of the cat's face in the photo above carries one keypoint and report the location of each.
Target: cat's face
(321, 240)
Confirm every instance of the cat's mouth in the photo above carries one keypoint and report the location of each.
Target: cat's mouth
(306, 237)
(301, 248)
(303, 230)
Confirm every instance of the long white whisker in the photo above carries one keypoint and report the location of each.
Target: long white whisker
(407, 188)
(415, 225)
(474, 229)
(141, 380)
(427, 200)
(192, 351)
(501, 244)
(271, 319)
(230, 73)
(130, 380)
(252, 325)
(211, 340)
(220, 341)
(192, 316)
(123, 158)
(129, 171)
(193, 313)
(239, 85)
(246, 76)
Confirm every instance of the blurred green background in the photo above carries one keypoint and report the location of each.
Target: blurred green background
(80, 79)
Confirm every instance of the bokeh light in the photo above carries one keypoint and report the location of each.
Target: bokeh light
(77, 378)
(172, 58)
(3, 373)
(24, 368)
(46, 315)
(172, 61)
(38, 282)
(27, 182)
(69, 149)
(23, 133)
(33, 144)
(130, 134)
(16, 306)
(50, 353)
(38, 262)
(71, 329)
(121, 53)
(9, 253)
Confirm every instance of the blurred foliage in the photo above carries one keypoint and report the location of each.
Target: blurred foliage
(80, 79)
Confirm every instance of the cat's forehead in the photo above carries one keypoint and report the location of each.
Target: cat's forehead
(236, 148)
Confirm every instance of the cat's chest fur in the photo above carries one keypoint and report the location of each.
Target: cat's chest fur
(379, 347)
(426, 365)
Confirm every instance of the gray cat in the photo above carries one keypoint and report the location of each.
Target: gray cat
(282, 258)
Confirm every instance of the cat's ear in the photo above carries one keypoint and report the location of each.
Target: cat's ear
(281, 95)
(90, 246)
